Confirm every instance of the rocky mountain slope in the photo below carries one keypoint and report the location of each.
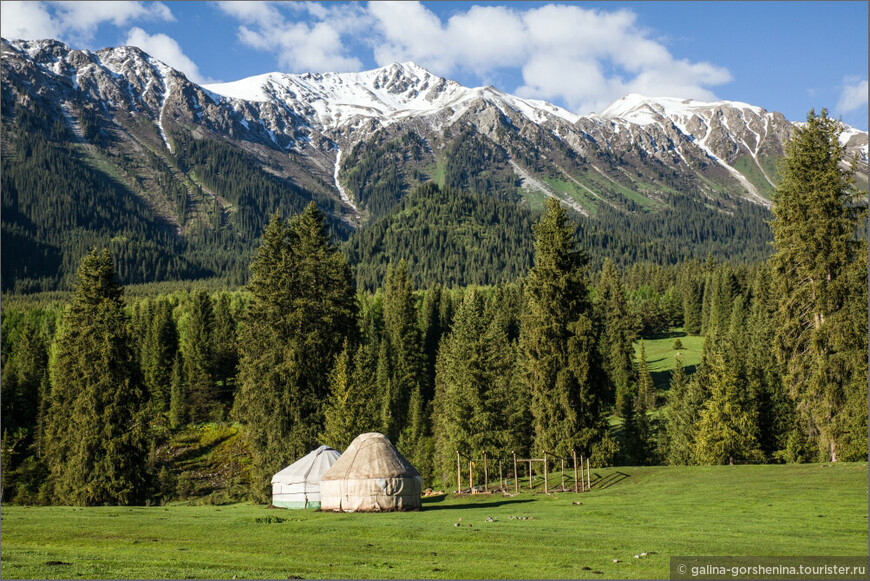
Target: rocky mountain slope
(210, 163)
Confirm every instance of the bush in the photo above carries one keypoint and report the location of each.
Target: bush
(678, 344)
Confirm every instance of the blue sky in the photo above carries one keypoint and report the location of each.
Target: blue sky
(783, 56)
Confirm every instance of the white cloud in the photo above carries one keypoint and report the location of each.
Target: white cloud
(27, 20)
(74, 21)
(853, 96)
(166, 49)
(583, 57)
(299, 45)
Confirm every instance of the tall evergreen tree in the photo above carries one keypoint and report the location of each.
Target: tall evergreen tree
(301, 309)
(158, 355)
(776, 411)
(822, 316)
(349, 411)
(177, 393)
(199, 358)
(405, 346)
(646, 389)
(23, 376)
(617, 351)
(564, 374)
(95, 442)
(226, 347)
(681, 415)
(726, 428)
(479, 405)
(432, 330)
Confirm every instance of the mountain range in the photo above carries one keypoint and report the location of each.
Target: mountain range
(116, 146)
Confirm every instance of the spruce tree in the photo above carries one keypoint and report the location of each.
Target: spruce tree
(405, 346)
(226, 347)
(726, 429)
(301, 309)
(646, 389)
(616, 348)
(432, 331)
(95, 443)
(23, 375)
(776, 410)
(177, 393)
(681, 415)
(479, 404)
(563, 370)
(199, 358)
(820, 269)
(348, 411)
(158, 356)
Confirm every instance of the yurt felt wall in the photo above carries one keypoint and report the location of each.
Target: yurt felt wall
(298, 485)
(372, 476)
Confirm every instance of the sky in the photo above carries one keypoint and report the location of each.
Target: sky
(783, 56)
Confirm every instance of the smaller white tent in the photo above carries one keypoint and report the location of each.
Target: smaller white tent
(298, 485)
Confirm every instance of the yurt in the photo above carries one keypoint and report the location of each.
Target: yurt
(298, 485)
(370, 476)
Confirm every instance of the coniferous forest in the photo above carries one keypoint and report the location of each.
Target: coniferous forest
(483, 343)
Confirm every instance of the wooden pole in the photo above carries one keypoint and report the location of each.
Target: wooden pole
(516, 475)
(530, 475)
(588, 477)
(471, 476)
(545, 474)
(458, 475)
(582, 477)
(563, 475)
(485, 474)
(574, 452)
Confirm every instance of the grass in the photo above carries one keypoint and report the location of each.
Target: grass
(660, 355)
(814, 509)
(748, 167)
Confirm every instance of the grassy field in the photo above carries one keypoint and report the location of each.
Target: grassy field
(815, 509)
(660, 355)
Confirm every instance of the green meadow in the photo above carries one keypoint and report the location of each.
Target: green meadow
(660, 355)
(809, 509)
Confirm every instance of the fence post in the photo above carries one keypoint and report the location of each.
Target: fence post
(546, 470)
(516, 475)
(574, 453)
(582, 478)
(563, 475)
(530, 475)
(471, 476)
(458, 475)
(588, 476)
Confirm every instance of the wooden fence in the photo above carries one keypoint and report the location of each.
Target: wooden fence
(581, 481)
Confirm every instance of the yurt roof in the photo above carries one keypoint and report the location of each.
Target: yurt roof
(370, 455)
(309, 468)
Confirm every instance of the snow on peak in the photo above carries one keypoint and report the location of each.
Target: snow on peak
(644, 110)
(388, 93)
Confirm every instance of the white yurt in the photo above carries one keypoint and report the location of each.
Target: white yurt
(370, 476)
(298, 485)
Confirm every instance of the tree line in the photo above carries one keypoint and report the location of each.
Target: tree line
(542, 364)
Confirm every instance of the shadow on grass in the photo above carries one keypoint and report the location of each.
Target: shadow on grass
(494, 504)
(602, 482)
(662, 379)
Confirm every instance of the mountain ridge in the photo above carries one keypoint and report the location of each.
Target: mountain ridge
(213, 166)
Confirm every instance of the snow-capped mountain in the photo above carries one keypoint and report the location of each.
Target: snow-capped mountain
(388, 94)
(313, 129)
